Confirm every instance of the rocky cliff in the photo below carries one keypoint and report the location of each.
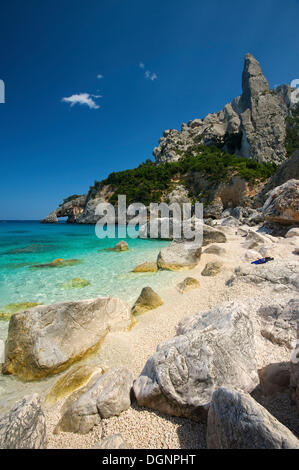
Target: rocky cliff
(71, 209)
(224, 160)
(253, 125)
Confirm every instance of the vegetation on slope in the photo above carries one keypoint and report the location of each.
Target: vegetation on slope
(292, 137)
(148, 182)
(70, 198)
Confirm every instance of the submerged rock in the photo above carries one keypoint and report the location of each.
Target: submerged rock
(46, 340)
(19, 307)
(71, 381)
(237, 421)
(75, 283)
(58, 263)
(13, 308)
(24, 427)
(188, 284)
(147, 267)
(15, 265)
(121, 246)
(35, 248)
(5, 316)
(147, 300)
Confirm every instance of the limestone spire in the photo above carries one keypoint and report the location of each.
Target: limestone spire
(253, 80)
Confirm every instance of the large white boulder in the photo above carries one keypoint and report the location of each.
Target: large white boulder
(24, 427)
(47, 339)
(213, 349)
(282, 205)
(237, 421)
(179, 256)
(108, 396)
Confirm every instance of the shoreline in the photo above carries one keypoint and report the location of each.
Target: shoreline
(132, 349)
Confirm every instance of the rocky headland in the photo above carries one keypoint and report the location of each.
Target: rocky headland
(228, 159)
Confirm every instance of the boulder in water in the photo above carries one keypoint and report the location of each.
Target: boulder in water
(75, 283)
(147, 267)
(47, 339)
(58, 263)
(121, 246)
(74, 379)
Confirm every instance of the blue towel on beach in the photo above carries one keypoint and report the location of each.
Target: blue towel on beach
(262, 260)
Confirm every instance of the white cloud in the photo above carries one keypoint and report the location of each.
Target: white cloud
(148, 74)
(100, 76)
(153, 76)
(83, 99)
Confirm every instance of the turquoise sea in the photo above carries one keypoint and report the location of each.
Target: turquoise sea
(25, 244)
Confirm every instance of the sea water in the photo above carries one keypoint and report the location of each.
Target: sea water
(26, 244)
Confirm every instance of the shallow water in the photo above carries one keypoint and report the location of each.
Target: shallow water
(24, 244)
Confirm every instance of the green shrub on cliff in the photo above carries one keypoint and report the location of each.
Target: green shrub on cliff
(149, 181)
(292, 135)
(70, 198)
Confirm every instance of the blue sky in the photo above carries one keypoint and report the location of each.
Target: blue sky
(192, 52)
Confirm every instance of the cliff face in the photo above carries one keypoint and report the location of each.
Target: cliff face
(287, 171)
(258, 125)
(252, 125)
(70, 209)
(80, 210)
